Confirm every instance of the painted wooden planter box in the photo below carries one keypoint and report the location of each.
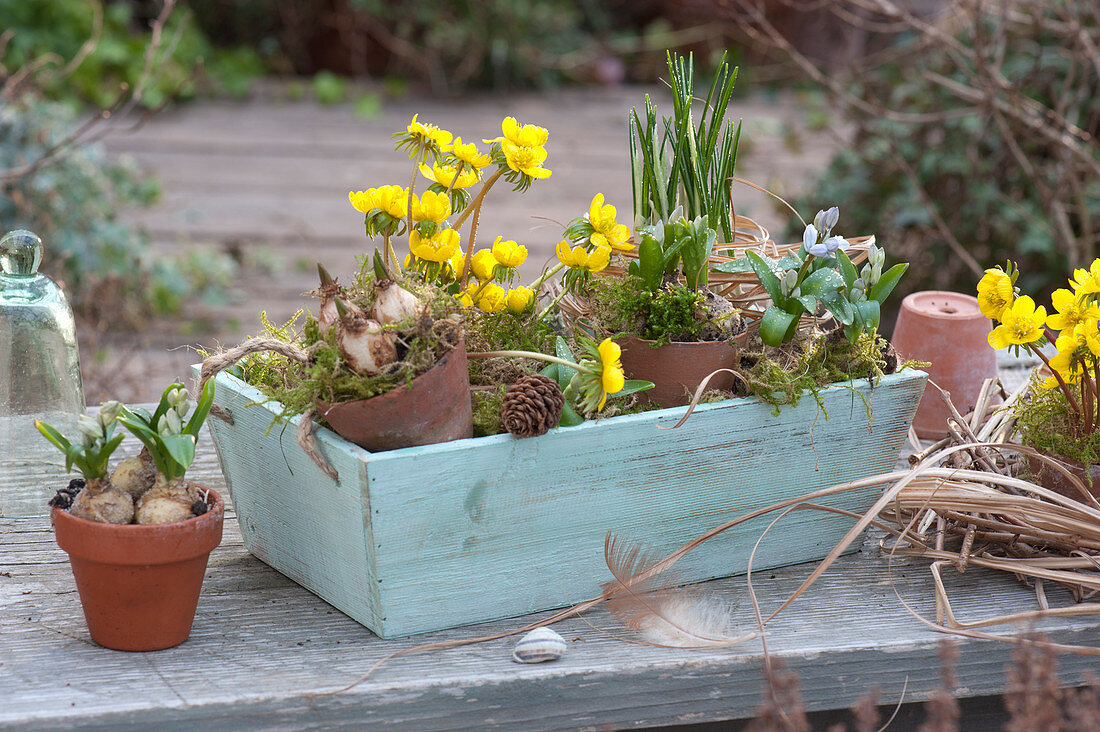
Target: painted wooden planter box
(432, 537)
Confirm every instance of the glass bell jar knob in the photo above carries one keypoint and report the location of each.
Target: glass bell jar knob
(39, 377)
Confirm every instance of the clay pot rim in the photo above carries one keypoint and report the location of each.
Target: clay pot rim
(913, 299)
(214, 513)
(738, 339)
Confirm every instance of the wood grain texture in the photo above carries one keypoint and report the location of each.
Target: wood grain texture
(473, 530)
(262, 646)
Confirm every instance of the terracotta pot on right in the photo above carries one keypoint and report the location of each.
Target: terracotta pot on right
(434, 407)
(139, 585)
(948, 330)
(676, 369)
(1052, 479)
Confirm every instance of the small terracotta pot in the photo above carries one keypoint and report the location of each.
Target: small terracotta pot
(676, 369)
(434, 407)
(948, 330)
(1052, 479)
(139, 585)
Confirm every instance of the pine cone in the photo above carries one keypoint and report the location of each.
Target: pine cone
(531, 406)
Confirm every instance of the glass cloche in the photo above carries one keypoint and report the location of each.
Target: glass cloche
(39, 377)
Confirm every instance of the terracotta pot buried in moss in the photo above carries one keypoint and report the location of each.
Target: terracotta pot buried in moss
(434, 407)
(676, 369)
(1053, 479)
(140, 585)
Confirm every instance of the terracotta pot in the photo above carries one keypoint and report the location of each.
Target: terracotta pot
(676, 369)
(1052, 479)
(948, 330)
(434, 407)
(139, 585)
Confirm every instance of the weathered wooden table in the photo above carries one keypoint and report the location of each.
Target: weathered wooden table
(262, 647)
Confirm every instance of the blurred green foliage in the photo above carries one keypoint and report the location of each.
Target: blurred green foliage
(61, 27)
(896, 176)
(74, 201)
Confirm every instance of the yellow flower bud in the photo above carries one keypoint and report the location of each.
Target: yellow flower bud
(434, 207)
(491, 299)
(483, 265)
(508, 253)
(519, 299)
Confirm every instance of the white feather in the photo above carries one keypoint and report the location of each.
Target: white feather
(689, 621)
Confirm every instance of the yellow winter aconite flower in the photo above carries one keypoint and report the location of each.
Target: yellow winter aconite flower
(458, 263)
(612, 378)
(363, 201)
(607, 232)
(393, 200)
(430, 133)
(519, 298)
(522, 135)
(1071, 311)
(508, 253)
(526, 160)
(579, 258)
(995, 293)
(1087, 333)
(483, 265)
(444, 174)
(1021, 323)
(434, 207)
(1087, 281)
(438, 248)
(466, 298)
(1064, 362)
(491, 299)
(468, 153)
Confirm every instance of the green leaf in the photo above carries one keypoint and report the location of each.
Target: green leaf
(633, 386)
(839, 306)
(53, 436)
(887, 282)
(181, 448)
(379, 267)
(777, 326)
(141, 413)
(74, 454)
(867, 314)
(202, 410)
(846, 268)
(822, 281)
(569, 417)
(767, 277)
(561, 350)
(809, 302)
(742, 264)
(650, 262)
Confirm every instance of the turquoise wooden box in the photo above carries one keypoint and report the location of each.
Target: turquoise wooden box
(433, 537)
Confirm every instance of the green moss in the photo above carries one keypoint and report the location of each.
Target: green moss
(486, 405)
(1043, 418)
(620, 305)
(505, 331)
(783, 376)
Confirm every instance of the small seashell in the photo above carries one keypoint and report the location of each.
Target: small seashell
(541, 644)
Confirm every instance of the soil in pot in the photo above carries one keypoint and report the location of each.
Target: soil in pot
(140, 585)
(676, 369)
(434, 407)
